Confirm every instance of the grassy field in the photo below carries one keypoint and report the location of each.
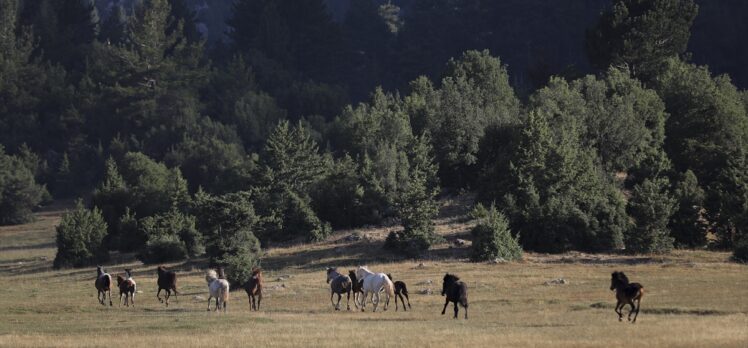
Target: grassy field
(693, 299)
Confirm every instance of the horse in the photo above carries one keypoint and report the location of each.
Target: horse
(339, 284)
(456, 291)
(626, 293)
(356, 287)
(218, 289)
(400, 290)
(374, 283)
(167, 280)
(103, 285)
(127, 287)
(253, 287)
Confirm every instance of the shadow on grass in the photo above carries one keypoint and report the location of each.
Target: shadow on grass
(664, 311)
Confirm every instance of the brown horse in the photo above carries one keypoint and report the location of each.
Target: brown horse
(167, 280)
(626, 293)
(356, 287)
(127, 287)
(103, 285)
(400, 290)
(253, 287)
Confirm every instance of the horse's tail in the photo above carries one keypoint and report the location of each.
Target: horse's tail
(107, 282)
(389, 287)
(225, 292)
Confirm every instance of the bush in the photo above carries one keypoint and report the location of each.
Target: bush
(172, 233)
(227, 223)
(19, 193)
(740, 253)
(492, 238)
(163, 249)
(80, 237)
(651, 208)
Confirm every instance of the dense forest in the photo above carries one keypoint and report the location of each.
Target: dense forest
(304, 119)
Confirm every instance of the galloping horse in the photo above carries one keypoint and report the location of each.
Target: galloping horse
(103, 285)
(374, 283)
(626, 293)
(253, 287)
(219, 289)
(356, 287)
(167, 280)
(339, 284)
(456, 291)
(127, 287)
(400, 290)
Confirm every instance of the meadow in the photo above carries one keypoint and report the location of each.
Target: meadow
(692, 299)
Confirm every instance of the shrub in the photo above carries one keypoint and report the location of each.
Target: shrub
(172, 233)
(163, 249)
(19, 193)
(740, 253)
(239, 266)
(492, 238)
(651, 207)
(80, 237)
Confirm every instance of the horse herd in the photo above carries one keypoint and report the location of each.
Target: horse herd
(361, 283)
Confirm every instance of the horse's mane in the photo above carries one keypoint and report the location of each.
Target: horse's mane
(352, 275)
(451, 277)
(621, 277)
(211, 274)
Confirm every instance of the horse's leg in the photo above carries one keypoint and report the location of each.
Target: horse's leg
(210, 297)
(633, 307)
(259, 298)
(466, 307)
(376, 304)
(158, 297)
(456, 310)
(332, 293)
(168, 294)
(407, 298)
(110, 297)
(445, 306)
(396, 294)
(638, 306)
(337, 305)
(363, 303)
(620, 313)
(348, 301)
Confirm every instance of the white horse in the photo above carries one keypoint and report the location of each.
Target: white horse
(374, 283)
(219, 289)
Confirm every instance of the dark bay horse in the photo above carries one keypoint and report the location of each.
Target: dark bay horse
(103, 285)
(357, 287)
(339, 284)
(400, 290)
(167, 280)
(456, 291)
(626, 294)
(253, 287)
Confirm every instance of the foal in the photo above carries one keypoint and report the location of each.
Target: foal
(456, 291)
(253, 287)
(400, 290)
(103, 285)
(339, 284)
(626, 293)
(167, 280)
(127, 287)
(357, 287)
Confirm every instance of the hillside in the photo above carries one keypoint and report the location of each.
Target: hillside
(514, 304)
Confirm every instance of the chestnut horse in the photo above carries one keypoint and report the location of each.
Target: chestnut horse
(103, 285)
(253, 287)
(167, 280)
(127, 287)
(626, 294)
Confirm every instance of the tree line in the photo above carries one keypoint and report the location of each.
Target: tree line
(183, 150)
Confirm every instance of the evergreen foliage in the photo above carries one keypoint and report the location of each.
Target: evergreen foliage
(19, 192)
(492, 238)
(80, 237)
(651, 208)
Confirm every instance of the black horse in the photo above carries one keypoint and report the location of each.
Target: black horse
(626, 293)
(400, 290)
(356, 287)
(456, 291)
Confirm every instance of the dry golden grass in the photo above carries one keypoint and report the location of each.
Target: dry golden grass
(693, 299)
